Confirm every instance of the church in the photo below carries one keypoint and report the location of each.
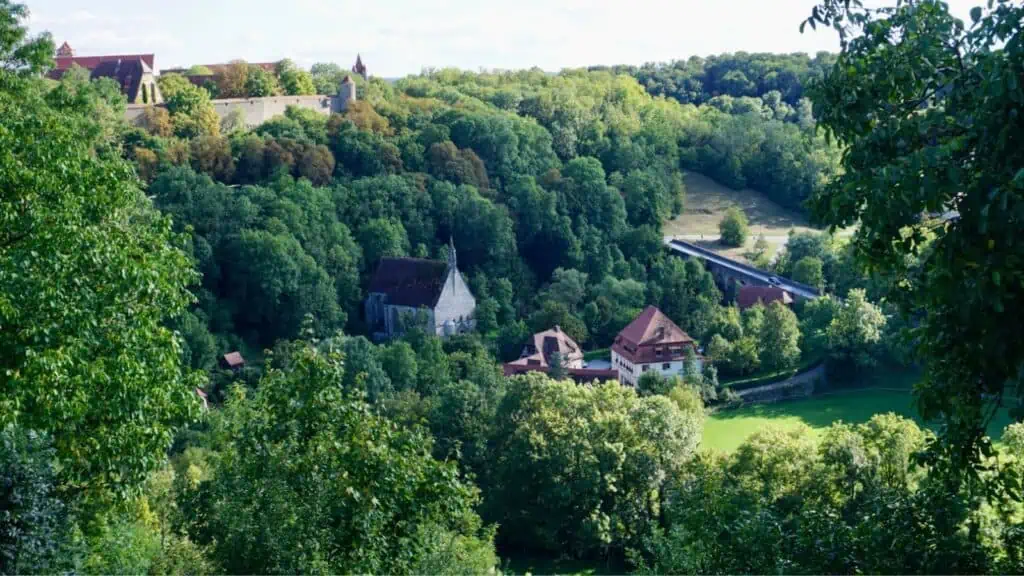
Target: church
(408, 292)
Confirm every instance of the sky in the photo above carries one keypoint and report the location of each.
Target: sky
(399, 37)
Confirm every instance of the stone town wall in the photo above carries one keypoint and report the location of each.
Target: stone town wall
(259, 110)
(799, 386)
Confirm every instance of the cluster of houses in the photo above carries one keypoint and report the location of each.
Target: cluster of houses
(434, 296)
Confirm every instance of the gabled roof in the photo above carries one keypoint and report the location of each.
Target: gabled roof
(651, 327)
(90, 62)
(750, 295)
(652, 337)
(410, 282)
(542, 345)
(127, 73)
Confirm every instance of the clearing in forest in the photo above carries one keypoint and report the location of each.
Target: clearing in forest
(706, 203)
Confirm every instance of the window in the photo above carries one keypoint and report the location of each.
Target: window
(657, 351)
(666, 365)
(646, 367)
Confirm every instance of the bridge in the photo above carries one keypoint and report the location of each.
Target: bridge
(728, 270)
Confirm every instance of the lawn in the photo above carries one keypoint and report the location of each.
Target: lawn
(726, 430)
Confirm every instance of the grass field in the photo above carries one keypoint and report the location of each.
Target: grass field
(706, 203)
(726, 430)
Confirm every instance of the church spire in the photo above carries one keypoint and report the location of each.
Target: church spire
(452, 264)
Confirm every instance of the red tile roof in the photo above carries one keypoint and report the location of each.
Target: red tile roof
(90, 62)
(581, 375)
(750, 295)
(652, 337)
(411, 282)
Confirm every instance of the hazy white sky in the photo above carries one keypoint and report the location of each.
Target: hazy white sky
(398, 37)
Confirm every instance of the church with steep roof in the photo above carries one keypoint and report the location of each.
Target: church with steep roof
(408, 292)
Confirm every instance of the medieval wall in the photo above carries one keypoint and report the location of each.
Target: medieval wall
(259, 110)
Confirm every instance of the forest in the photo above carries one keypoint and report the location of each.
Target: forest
(134, 255)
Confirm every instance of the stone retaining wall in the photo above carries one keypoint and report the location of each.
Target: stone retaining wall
(799, 386)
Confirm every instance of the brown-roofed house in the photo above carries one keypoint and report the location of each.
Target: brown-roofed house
(651, 342)
(411, 291)
(542, 345)
(232, 361)
(132, 72)
(750, 295)
(537, 353)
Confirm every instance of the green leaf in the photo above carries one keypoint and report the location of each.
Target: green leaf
(976, 14)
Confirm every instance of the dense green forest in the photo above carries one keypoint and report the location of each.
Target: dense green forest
(132, 256)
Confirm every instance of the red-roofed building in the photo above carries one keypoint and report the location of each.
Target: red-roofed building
(133, 73)
(651, 342)
(750, 295)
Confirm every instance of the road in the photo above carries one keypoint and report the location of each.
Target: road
(779, 241)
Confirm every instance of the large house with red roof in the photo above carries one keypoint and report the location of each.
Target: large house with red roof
(651, 342)
(132, 72)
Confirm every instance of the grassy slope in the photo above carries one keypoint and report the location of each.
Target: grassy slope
(706, 203)
(726, 430)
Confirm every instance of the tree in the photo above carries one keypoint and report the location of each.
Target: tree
(36, 523)
(759, 255)
(90, 274)
(260, 83)
(305, 470)
(198, 70)
(855, 329)
(555, 447)
(327, 76)
(233, 79)
(157, 121)
(809, 271)
(926, 105)
(382, 238)
(296, 82)
(399, 362)
(779, 337)
(733, 227)
(19, 54)
(192, 113)
(171, 84)
(557, 370)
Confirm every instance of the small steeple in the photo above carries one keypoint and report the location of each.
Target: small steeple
(359, 68)
(65, 50)
(452, 263)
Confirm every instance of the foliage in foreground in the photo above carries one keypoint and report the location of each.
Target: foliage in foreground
(308, 479)
(855, 502)
(928, 110)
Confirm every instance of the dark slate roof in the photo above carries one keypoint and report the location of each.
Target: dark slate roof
(127, 74)
(411, 282)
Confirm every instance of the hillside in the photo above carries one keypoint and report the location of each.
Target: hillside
(706, 203)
